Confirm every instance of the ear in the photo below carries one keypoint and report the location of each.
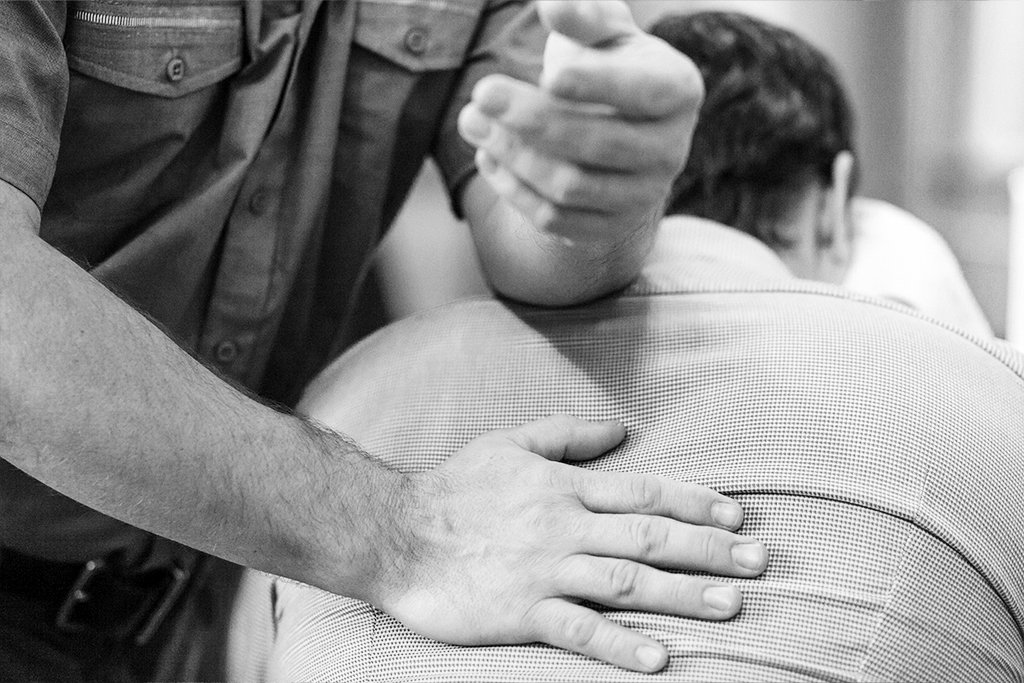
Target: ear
(836, 222)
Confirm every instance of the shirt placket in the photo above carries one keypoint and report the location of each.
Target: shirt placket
(238, 308)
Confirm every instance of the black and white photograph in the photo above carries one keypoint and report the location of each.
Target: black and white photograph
(512, 341)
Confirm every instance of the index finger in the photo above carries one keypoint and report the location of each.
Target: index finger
(641, 76)
(615, 492)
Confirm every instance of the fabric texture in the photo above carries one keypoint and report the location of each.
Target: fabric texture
(228, 168)
(32, 94)
(877, 453)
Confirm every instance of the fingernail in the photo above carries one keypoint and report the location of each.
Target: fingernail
(650, 657)
(474, 125)
(727, 514)
(749, 555)
(722, 598)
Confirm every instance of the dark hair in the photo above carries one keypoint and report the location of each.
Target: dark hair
(773, 119)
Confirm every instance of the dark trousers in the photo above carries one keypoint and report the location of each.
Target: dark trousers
(189, 645)
(31, 648)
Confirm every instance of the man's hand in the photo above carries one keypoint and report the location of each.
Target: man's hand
(588, 154)
(502, 546)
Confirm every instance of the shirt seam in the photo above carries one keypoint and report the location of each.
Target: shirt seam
(39, 142)
(36, 188)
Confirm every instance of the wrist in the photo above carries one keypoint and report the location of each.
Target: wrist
(346, 528)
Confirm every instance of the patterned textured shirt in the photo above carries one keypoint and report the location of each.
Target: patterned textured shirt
(878, 454)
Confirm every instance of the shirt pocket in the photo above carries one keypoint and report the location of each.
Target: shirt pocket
(168, 49)
(419, 35)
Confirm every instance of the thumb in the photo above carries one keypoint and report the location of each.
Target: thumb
(563, 437)
(588, 22)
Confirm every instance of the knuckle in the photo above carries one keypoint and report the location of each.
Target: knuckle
(624, 579)
(677, 87)
(502, 144)
(668, 162)
(488, 87)
(567, 186)
(646, 494)
(664, 160)
(691, 85)
(494, 93)
(502, 436)
(562, 78)
(578, 527)
(579, 630)
(706, 552)
(548, 523)
(684, 591)
(650, 535)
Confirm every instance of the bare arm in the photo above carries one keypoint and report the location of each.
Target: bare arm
(99, 404)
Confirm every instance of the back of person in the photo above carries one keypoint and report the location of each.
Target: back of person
(876, 454)
(773, 155)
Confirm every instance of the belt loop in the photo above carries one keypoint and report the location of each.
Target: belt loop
(180, 577)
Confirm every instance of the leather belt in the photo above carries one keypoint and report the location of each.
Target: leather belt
(102, 596)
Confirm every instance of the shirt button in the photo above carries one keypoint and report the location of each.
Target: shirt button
(258, 202)
(416, 40)
(226, 351)
(175, 69)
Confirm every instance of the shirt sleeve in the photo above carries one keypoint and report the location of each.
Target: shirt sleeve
(510, 40)
(33, 93)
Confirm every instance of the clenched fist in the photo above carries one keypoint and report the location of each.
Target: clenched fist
(588, 153)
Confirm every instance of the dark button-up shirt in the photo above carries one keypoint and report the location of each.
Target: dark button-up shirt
(227, 168)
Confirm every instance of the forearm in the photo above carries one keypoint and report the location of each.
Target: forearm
(543, 268)
(99, 404)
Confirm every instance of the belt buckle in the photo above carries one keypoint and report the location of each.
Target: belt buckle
(148, 617)
(77, 596)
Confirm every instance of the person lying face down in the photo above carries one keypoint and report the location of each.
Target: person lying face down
(876, 453)
(773, 155)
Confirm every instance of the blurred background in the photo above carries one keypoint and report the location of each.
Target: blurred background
(938, 90)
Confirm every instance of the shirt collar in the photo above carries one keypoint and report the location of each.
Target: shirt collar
(694, 254)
